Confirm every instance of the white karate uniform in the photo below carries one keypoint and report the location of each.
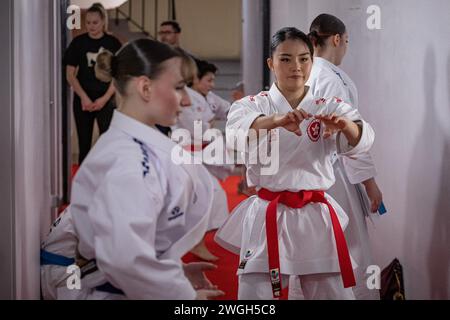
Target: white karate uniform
(320, 286)
(219, 106)
(328, 80)
(306, 241)
(136, 213)
(61, 240)
(204, 110)
(198, 112)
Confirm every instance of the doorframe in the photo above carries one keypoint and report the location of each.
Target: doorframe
(7, 160)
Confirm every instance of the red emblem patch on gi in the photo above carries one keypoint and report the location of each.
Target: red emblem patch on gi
(252, 98)
(338, 100)
(263, 94)
(314, 130)
(321, 101)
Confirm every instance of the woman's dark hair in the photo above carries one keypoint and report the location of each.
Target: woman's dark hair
(142, 57)
(98, 8)
(325, 26)
(204, 67)
(289, 33)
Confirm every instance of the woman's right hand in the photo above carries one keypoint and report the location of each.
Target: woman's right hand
(86, 104)
(206, 294)
(291, 121)
(195, 272)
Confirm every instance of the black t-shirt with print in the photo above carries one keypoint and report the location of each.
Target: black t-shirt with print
(82, 52)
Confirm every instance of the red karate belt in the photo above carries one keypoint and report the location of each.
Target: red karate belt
(299, 200)
(196, 147)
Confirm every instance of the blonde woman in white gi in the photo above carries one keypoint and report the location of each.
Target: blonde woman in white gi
(206, 107)
(133, 212)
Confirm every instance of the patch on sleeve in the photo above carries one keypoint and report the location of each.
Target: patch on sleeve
(145, 158)
(321, 101)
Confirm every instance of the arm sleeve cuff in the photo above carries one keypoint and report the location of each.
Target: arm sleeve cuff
(364, 144)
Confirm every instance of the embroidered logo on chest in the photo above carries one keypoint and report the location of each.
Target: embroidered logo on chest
(175, 213)
(314, 130)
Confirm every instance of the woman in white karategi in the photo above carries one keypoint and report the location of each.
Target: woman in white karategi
(206, 107)
(330, 39)
(292, 227)
(133, 212)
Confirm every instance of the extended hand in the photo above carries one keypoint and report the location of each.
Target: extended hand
(291, 121)
(194, 271)
(204, 294)
(333, 124)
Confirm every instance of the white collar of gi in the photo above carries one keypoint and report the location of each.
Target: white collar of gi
(280, 101)
(142, 132)
(324, 63)
(321, 62)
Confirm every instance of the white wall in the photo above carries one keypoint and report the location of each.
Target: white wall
(289, 13)
(403, 75)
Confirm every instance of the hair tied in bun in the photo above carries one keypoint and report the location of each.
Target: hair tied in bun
(104, 66)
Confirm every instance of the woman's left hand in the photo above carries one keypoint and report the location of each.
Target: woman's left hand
(194, 271)
(333, 124)
(374, 194)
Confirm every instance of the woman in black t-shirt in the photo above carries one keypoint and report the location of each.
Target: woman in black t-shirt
(93, 98)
